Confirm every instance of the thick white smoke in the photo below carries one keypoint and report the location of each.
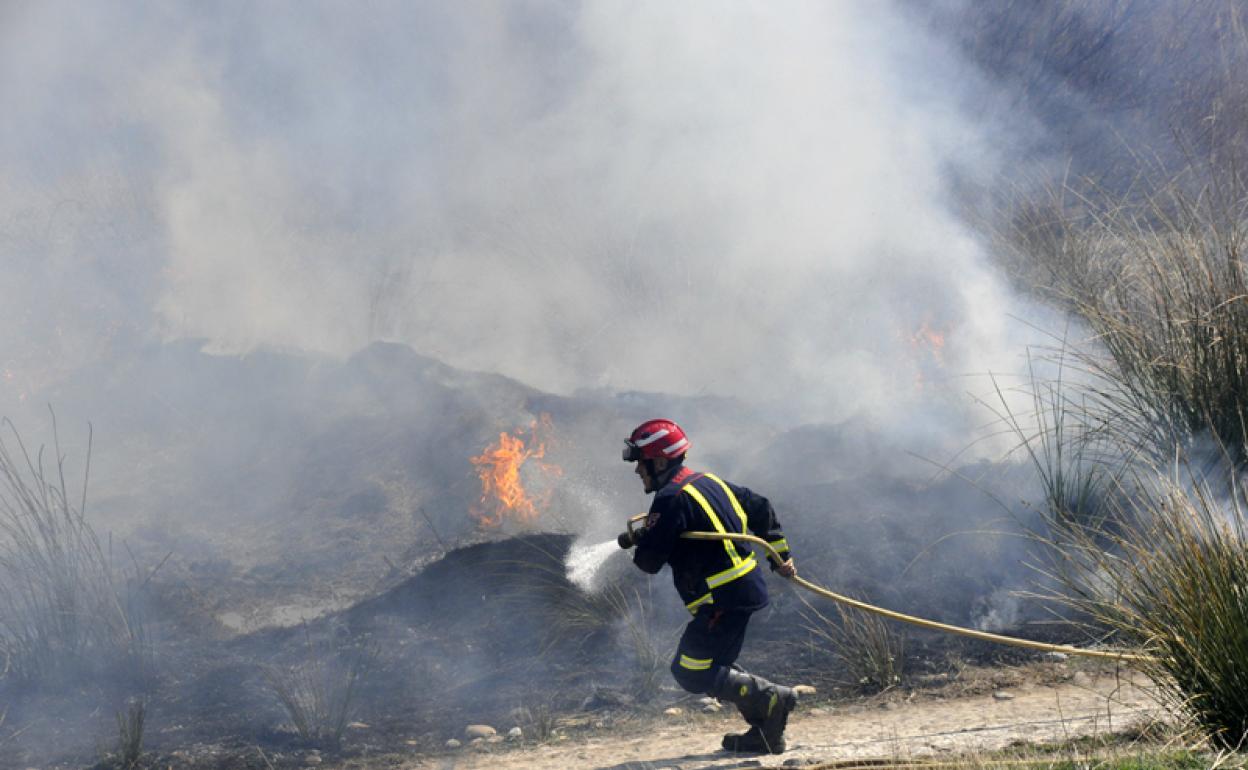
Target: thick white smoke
(748, 199)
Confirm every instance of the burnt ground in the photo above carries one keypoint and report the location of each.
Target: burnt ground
(491, 633)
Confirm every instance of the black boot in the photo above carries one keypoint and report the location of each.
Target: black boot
(752, 742)
(764, 705)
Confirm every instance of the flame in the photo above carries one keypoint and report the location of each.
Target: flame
(927, 337)
(929, 345)
(503, 496)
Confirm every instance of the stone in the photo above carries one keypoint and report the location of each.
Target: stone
(1056, 656)
(495, 739)
(479, 731)
(712, 708)
(804, 690)
(451, 744)
(606, 698)
(357, 726)
(515, 733)
(1002, 695)
(313, 759)
(674, 711)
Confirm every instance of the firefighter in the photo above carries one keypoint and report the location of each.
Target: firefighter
(718, 580)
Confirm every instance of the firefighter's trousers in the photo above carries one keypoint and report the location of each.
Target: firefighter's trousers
(708, 648)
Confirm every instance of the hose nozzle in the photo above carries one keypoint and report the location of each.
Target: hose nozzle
(636, 528)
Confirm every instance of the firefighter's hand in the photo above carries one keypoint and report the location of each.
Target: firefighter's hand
(788, 569)
(629, 539)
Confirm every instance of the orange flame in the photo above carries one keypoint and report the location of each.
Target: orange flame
(929, 338)
(503, 496)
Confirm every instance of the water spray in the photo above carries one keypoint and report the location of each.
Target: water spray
(584, 561)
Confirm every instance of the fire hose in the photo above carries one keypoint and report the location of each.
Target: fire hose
(775, 556)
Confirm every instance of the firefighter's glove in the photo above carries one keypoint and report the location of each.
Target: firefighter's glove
(629, 539)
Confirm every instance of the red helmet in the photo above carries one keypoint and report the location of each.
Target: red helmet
(654, 439)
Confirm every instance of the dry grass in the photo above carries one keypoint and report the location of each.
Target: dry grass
(319, 693)
(538, 721)
(65, 608)
(1140, 439)
(1175, 583)
(621, 610)
(1161, 285)
(130, 723)
(870, 651)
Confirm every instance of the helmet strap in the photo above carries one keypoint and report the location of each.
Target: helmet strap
(662, 478)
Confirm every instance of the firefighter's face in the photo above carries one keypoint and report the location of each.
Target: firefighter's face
(643, 472)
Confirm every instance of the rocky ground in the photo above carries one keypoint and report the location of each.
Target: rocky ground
(983, 710)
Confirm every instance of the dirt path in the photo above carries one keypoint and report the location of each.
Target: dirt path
(924, 727)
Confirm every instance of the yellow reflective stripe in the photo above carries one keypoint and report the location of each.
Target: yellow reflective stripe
(695, 664)
(732, 573)
(780, 545)
(736, 506)
(715, 522)
(696, 603)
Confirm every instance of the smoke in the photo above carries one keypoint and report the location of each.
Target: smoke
(748, 201)
(750, 217)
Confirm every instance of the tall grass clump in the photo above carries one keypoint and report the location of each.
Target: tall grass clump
(620, 611)
(1161, 284)
(1141, 442)
(130, 724)
(1174, 583)
(320, 692)
(65, 610)
(871, 652)
(1081, 455)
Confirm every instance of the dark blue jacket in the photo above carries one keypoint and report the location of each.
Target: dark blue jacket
(719, 572)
